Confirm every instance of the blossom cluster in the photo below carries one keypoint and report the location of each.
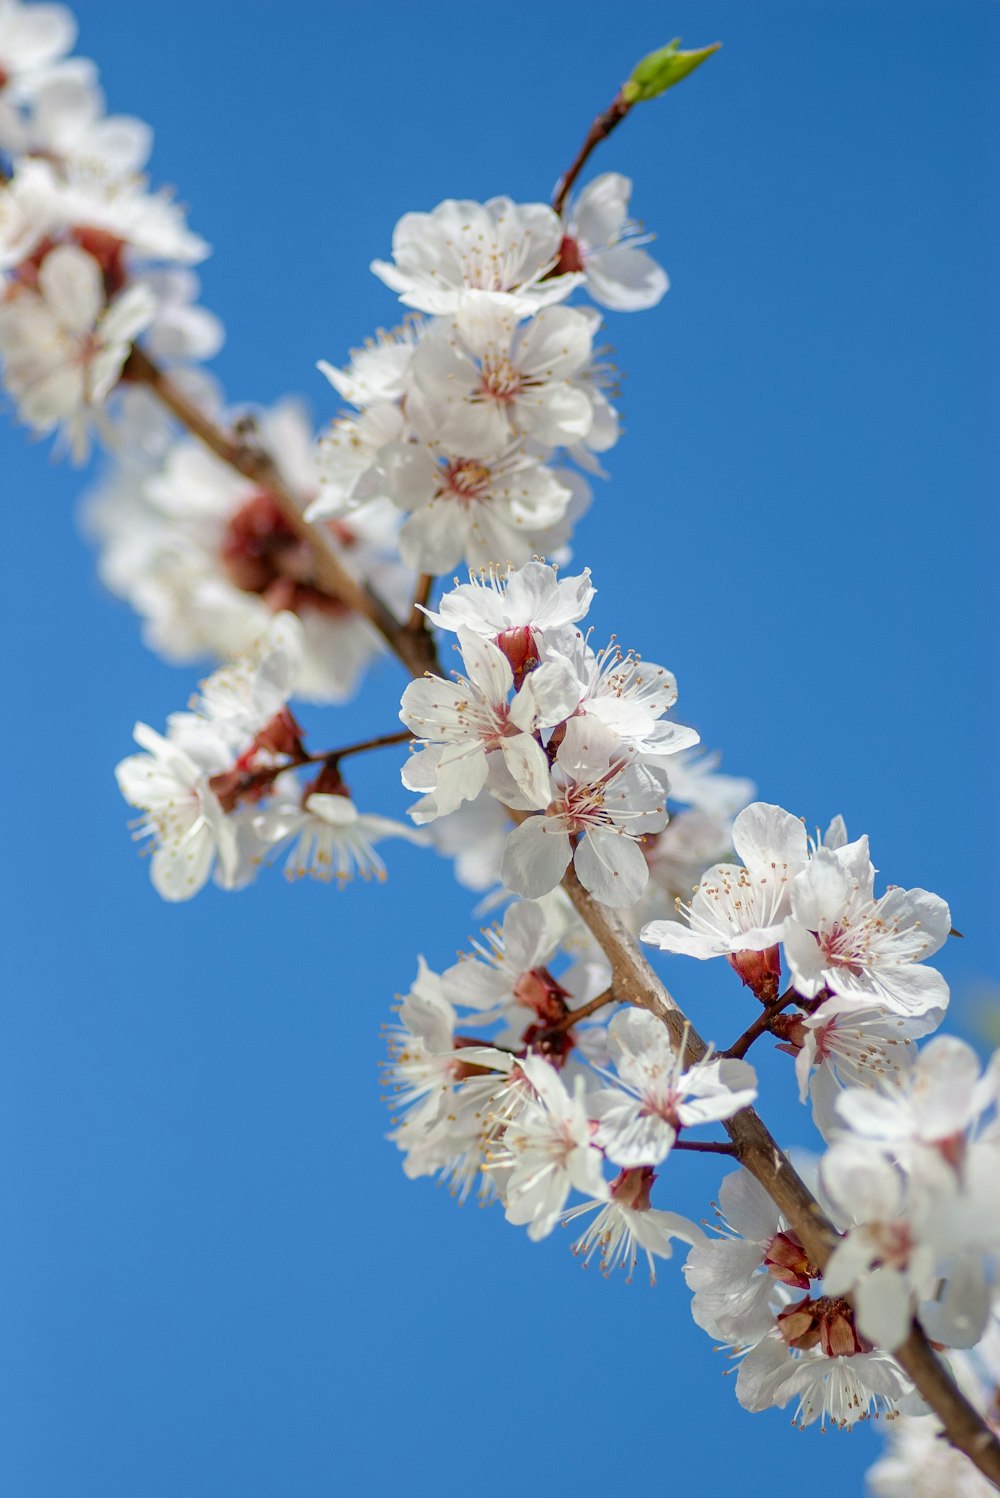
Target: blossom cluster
(549, 767)
(89, 255)
(552, 1099)
(571, 740)
(220, 793)
(465, 416)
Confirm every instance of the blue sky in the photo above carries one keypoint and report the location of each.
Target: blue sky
(214, 1278)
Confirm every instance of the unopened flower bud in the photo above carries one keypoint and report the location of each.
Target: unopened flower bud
(760, 971)
(788, 1261)
(661, 69)
(521, 650)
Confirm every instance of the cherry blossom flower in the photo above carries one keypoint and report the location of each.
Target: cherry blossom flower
(206, 557)
(197, 785)
(524, 610)
(602, 799)
(739, 910)
(466, 724)
(32, 38)
(920, 1460)
(841, 1045)
(924, 1121)
(172, 783)
(831, 1387)
(734, 1275)
(67, 127)
(331, 839)
(499, 252)
(628, 1223)
(483, 383)
(606, 245)
(65, 345)
(886, 1260)
(630, 696)
(113, 216)
(548, 1144)
(841, 938)
(506, 969)
(381, 372)
(658, 1094)
(349, 459)
(507, 507)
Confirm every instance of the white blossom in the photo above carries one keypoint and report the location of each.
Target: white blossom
(196, 784)
(507, 604)
(658, 1094)
(605, 801)
(738, 909)
(627, 1223)
(482, 511)
(465, 726)
(331, 839)
(483, 382)
(206, 557)
(498, 252)
(64, 344)
(549, 1146)
(607, 246)
(843, 939)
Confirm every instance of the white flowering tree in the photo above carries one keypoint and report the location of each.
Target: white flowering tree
(549, 1070)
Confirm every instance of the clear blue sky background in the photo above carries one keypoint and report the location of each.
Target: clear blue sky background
(214, 1279)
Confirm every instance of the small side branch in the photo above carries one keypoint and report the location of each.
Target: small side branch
(599, 130)
(705, 1146)
(761, 1024)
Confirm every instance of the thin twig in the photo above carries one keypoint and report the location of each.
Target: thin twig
(705, 1146)
(741, 1045)
(381, 742)
(585, 1010)
(421, 595)
(599, 130)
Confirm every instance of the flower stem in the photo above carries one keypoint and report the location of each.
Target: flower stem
(742, 1044)
(599, 130)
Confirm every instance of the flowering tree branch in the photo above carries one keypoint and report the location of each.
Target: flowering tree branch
(470, 431)
(415, 649)
(633, 980)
